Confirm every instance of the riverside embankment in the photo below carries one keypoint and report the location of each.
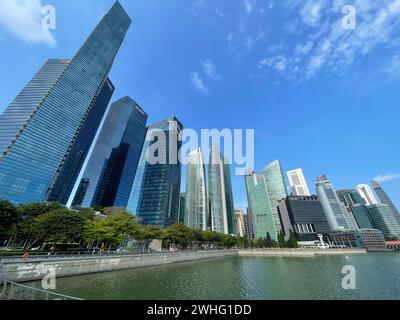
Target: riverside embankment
(36, 268)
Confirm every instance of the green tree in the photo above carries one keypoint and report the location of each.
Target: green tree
(150, 232)
(179, 234)
(33, 210)
(292, 242)
(281, 240)
(9, 217)
(112, 229)
(57, 226)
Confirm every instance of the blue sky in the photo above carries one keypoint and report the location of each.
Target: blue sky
(319, 97)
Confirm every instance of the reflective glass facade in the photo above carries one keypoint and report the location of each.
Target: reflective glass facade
(276, 188)
(196, 203)
(217, 192)
(260, 207)
(384, 198)
(336, 213)
(230, 207)
(155, 194)
(385, 220)
(68, 174)
(33, 160)
(108, 177)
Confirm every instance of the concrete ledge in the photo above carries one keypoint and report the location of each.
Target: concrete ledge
(30, 271)
(307, 253)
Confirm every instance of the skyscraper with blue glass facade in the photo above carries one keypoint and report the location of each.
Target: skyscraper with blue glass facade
(155, 194)
(68, 174)
(108, 176)
(41, 127)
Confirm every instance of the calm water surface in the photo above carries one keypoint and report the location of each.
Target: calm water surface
(237, 278)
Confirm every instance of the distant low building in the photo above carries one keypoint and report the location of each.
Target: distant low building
(370, 239)
(239, 223)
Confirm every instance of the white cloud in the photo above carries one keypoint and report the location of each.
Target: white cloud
(393, 68)
(219, 13)
(198, 82)
(249, 5)
(387, 177)
(312, 12)
(210, 70)
(23, 18)
(319, 43)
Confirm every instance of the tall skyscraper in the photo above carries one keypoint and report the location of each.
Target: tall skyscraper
(108, 177)
(196, 204)
(356, 205)
(260, 207)
(335, 211)
(276, 188)
(220, 193)
(366, 193)
(385, 220)
(155, 194)
(69, 173)
(298, 183)
(384, 198)
(38, 135)
(182, 206)
(230, 206)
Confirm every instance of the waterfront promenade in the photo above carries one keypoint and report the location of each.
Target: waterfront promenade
(37, 267)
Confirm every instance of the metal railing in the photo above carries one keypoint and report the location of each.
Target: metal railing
(14, 291)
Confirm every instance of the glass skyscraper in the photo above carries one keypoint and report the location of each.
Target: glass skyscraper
(155, 194)
(384, 198)
(38, 135)
(385, 220)
(260, 207)
(108, 177)
(276, 188)
(196, 204)
(73, 164)
(336, 213)
(222, 211)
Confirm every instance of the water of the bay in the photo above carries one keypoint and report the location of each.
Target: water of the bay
(242, 278)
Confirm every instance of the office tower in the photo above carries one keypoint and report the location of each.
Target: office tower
(240, 223)
(220, 193)
(276, 188)
(385, 220)
(196, 204)
(335, 211)
(298, 183)
(366, 193)
(182, 206)
(350, 197)
(355, 205)
(50, 120)
(248, 225)
(304, 216)
(384, 198)
(155, 194)
(69, 173)
(230, 207)
(108, 177)
(260, 207)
